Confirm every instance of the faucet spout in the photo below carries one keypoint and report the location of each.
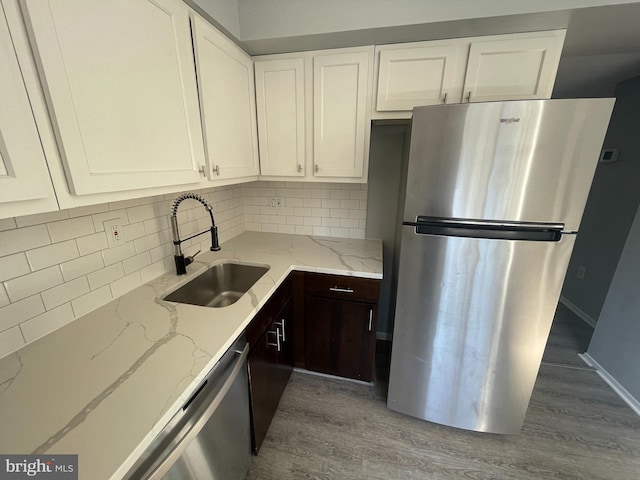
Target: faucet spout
(180, 260)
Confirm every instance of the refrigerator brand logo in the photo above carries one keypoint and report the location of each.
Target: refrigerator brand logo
(59, 467)
(509, 120)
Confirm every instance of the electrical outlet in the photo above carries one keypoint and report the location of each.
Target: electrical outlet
(112, 228)
(581, 272)
(276, 202)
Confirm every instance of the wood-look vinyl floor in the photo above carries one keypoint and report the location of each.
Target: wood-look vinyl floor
(576, 428)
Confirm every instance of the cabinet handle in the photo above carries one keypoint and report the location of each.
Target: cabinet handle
(444, 100)
(468, 96)
(370, 317)
(277, 334)
(341, 290)
(281, 325)
(299, 168)
(317, 168)
(203, 170)
(216, 169)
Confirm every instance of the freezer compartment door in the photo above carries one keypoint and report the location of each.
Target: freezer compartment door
(530, 160)
(472, 319)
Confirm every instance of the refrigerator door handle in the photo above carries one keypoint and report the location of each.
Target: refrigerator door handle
(491, 229)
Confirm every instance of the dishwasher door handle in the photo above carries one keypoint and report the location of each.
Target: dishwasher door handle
(194, 430)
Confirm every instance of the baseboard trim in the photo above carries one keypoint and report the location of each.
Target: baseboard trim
(384, 336)
(622, 392)
(586, 318)
(333, 377)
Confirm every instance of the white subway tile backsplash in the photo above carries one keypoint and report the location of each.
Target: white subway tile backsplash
(117, 254)
(32, 283)
(105, 275)
(71, 246)
(286, 229)
(72, 228)
(303, 230)
(136, 263)
(13, 266)
(313, 221)
(11, 340)
(7, 224)
(99, 218)
(4, 298)
(65, 293)
(323, 231)
(348, 222)
(90, 301)
(17, 312)
(41, 218)
(133, 231)
(21, 239)
(141, 213)
(44, 257)
(47, 322)
(81, 266)
(155, 269)
(92, 243)
(126, 284)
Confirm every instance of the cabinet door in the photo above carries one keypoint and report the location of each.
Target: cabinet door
(23, 168)
(421, 75)
(340, 116)
(340, 337)
(281, 116)
(120, 82)
(264, 392)
(227, 100)
(513, 68)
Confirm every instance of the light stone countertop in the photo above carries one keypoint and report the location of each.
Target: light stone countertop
(105, 385)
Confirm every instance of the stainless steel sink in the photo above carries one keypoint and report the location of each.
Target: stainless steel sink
(220, 286)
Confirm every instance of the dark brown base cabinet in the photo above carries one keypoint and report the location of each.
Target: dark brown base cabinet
(324, 323)
(340, 325)
(270, 336)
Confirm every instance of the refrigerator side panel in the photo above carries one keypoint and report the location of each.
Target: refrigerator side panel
(472, 319)
(521, 160)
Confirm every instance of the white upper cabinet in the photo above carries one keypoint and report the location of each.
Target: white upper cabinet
(498, 67)
(425, 73)
(119, 79)
(25, 186)
(227, 101)
(314, 114)
(341, 121)
(280, 101)
(521, 67)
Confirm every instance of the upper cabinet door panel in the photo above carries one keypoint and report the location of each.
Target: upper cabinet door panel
(227, 100)
(340, 83)
(423, 75)
(120, 82)
(280, 101)
(23, 168)
(513, 68)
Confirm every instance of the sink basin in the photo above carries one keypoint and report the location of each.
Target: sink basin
(220, 286)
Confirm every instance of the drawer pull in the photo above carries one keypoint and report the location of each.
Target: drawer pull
(277, 334)
(370, 317)
(280, 324)
(341, 290)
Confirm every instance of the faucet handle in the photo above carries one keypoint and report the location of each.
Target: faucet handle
(189, 260)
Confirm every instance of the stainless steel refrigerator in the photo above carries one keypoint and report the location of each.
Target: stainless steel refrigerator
(495, 193)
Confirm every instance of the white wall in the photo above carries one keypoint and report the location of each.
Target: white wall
(261, 19)
(56, 267)
(615, 344)
(613, 201)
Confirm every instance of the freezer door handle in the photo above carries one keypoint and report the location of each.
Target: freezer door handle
(491, 229)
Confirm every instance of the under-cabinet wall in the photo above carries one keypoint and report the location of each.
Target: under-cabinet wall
(55, 267)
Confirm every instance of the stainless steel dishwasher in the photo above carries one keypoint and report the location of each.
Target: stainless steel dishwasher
(210, 437)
